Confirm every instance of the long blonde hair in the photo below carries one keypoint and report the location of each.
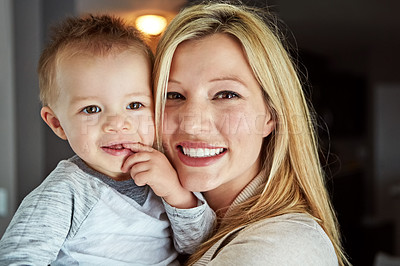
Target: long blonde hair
(295, 181)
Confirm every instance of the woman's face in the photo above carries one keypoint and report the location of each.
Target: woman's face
(215, 116)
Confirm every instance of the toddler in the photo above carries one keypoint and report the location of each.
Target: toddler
(95, 82)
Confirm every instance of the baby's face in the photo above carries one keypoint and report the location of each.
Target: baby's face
(104, 103)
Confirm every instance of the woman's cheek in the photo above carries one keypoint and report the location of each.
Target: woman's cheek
(170, 125)
(235, 123)
(168, 149)
(246, 124)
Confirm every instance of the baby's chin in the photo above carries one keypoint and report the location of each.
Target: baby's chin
(112, 170)
(117, 174)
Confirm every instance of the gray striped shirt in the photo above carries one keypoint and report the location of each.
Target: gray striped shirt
(79, 216)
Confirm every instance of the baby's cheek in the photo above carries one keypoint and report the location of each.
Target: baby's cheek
(86, 125)
(81, 146)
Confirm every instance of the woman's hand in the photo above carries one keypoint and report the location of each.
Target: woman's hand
(148, 166)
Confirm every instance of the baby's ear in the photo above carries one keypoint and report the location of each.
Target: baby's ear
(51, 119)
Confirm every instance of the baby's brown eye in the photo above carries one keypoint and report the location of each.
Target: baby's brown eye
(134, 105)
(92, 109)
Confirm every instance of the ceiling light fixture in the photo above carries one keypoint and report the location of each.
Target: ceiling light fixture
(151, 24)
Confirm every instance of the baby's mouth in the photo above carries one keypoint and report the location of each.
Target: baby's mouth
(117, 148)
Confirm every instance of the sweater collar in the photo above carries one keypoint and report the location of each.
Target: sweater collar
(248, 191)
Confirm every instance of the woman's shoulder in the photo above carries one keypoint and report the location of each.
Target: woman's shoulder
(288, 222)
(296, 225)
(289, 239)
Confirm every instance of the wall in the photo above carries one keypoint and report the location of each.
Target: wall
(27, 15)
(385, 98)
(22, 143)
(55, 149)
(29, 149)
(7, 117)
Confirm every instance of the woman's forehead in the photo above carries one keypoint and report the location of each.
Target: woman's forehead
(217, 56)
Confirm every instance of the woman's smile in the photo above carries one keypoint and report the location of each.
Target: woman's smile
(199, 154)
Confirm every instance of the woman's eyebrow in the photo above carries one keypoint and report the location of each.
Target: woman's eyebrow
(228, 78)
(173, 80)
(216, 79)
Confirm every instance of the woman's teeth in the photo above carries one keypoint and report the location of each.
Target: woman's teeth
(198, 153)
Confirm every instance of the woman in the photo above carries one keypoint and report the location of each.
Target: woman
(236, 126)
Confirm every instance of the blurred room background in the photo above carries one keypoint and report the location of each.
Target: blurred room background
(348, 52)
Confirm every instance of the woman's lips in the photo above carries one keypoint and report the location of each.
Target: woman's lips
(199, 154)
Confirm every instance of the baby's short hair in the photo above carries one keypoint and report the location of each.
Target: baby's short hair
(90, 34)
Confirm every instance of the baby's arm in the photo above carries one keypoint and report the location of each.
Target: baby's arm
(38, 228)
(191, 227)
(192, 219)
(151, 167)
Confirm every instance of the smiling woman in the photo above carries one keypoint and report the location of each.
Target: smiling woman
(225, 84)
(215, 108)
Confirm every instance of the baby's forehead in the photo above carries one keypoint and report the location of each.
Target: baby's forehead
(84, 70)
(77, 50)
(76, 53)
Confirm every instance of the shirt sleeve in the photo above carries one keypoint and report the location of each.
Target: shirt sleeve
(42, 223)
(191, 227)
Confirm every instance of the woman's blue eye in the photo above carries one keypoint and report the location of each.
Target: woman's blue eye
(92, 109)
(226, 95)
(175, 96)
(135, 105)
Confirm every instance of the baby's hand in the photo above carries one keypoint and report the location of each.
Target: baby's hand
(151, 167)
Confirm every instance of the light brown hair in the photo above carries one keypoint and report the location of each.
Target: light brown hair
(97, 35)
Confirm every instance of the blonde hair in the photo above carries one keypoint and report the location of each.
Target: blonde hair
(295, 181)
(96, 35)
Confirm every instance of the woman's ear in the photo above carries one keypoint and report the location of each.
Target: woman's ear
(269, 125)
(51, 119)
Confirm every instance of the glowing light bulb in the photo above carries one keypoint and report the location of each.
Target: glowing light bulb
(151, 24)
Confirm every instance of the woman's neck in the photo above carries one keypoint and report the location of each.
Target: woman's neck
(221, 198)
(219, 201)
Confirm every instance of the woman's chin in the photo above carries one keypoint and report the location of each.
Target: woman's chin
(197, 183)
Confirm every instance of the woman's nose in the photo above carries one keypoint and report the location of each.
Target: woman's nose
(195, 118)
(117, 123)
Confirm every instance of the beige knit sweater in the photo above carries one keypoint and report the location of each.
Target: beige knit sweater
(290, 239)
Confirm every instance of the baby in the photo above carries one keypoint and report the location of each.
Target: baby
(95, 82)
